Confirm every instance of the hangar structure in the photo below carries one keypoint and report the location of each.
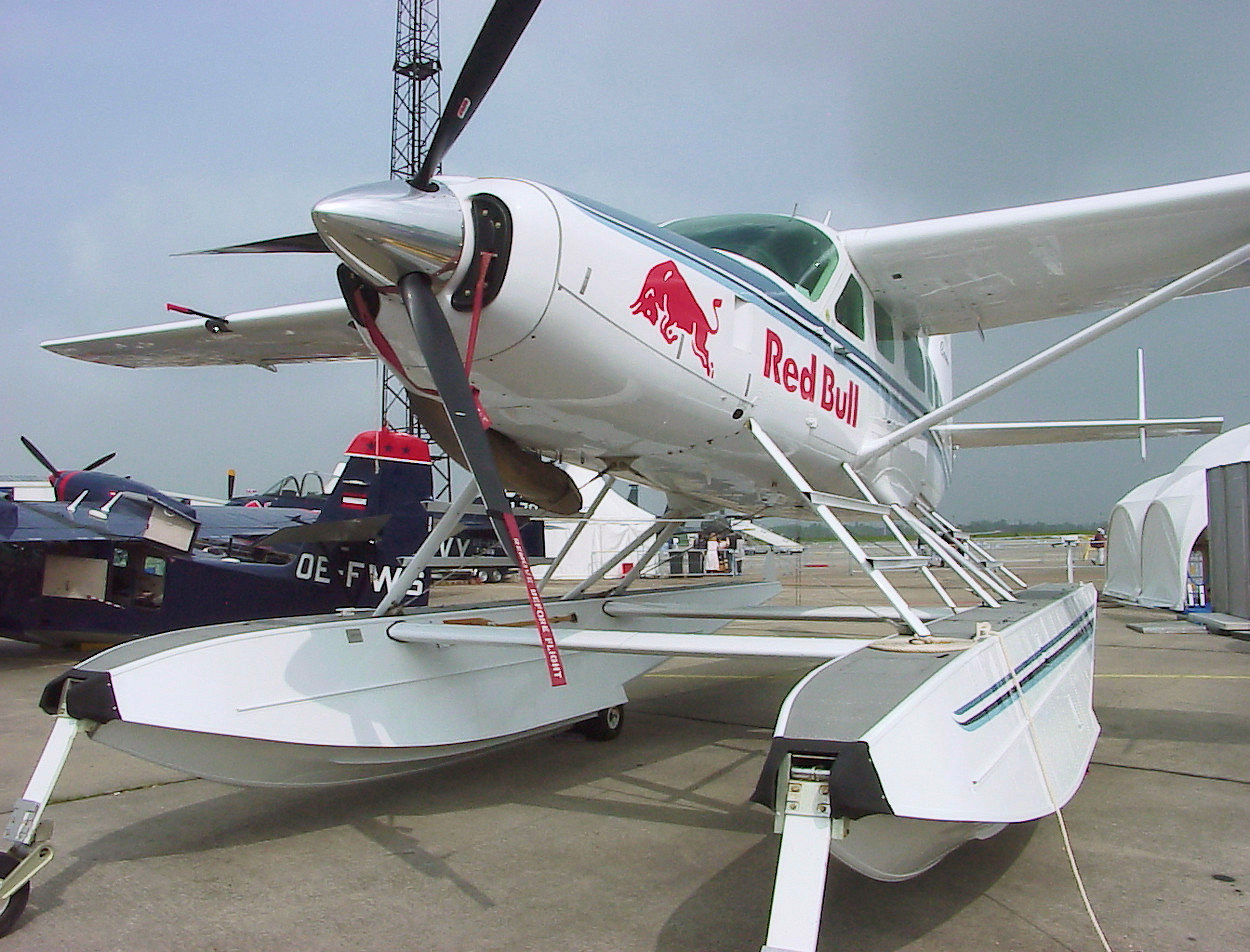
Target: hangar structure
(1157, 543)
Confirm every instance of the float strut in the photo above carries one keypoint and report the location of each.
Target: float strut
(806, 826)
(24, 826)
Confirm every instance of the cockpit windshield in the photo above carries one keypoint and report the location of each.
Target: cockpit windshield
(795, 250)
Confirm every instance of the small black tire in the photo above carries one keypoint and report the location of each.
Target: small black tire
(12, 907)
(605, 725)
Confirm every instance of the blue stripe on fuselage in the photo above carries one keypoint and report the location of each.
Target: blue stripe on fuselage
(755, 287)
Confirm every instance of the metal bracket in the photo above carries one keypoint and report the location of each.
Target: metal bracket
(22, 822)
(25, 871)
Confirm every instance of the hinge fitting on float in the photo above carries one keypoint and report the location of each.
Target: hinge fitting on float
(805, 792)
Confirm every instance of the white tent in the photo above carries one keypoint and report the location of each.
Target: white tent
(1124, 540)
(1157, 524)
(1175, 519)
(616, 522)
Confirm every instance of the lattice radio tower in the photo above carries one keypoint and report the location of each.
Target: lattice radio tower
(417, 105)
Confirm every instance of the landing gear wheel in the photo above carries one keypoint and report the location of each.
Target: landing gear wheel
(12, 907)
(605, 725)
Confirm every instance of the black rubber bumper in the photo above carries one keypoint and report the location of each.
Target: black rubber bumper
(854, 787)
(88, 696)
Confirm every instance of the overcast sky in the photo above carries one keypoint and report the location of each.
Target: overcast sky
(133, 130)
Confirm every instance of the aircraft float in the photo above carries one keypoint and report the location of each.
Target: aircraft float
(761, 364)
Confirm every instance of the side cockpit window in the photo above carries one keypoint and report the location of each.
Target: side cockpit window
(883, 324)
(796, 251)
(849, 309)
(913, 360)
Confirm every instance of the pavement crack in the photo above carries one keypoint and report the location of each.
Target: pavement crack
(1031, 923)
(1174, 773)
(112, 793)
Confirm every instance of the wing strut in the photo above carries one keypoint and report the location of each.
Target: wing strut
(577, 531)
(441, 531)
(822, 505)
(1182, 285)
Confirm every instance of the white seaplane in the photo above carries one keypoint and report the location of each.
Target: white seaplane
(763, 364)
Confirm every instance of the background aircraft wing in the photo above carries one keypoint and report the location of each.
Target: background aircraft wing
(26, 522)
(1076, 431)
(126, 516)
(223, 522)
(293, 333)
(991, 269)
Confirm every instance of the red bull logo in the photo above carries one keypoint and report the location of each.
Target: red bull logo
(667, 301)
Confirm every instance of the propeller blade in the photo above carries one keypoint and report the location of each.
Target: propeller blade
(310, 243)
(442, 359)
(503, 27)
(100, 462)
(34, 451)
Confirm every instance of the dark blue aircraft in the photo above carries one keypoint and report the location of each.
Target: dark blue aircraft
(113, 559)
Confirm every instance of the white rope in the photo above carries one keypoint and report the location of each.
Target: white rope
(1050, 793)
(913, 644)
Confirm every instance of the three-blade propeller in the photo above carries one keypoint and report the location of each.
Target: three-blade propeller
(53, 472)
(498, 37)
(407, 236)
(499, 34)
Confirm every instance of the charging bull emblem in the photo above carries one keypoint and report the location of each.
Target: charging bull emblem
(666, 299)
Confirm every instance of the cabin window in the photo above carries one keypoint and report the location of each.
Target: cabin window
(798, 252)
(913, 360)
(149, 584)
(883, 324)
(849, 310)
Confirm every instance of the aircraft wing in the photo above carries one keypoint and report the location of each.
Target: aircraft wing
(223, 522)
(1075, 431)
(293, 333)
(996, 268)
(124, 517)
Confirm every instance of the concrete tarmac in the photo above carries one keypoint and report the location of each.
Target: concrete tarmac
(649, 842)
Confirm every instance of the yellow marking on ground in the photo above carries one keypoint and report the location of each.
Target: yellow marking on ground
(1195, 677)
(714, 677)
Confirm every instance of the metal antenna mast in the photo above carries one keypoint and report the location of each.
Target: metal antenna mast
(418, 98)
(417, 105)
